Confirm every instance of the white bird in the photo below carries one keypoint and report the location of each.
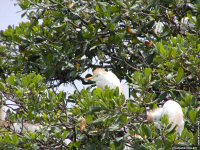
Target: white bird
(16, 126)
(174, 112)
(105, 78)
(2, 113)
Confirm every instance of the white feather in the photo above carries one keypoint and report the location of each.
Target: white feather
(174, 112)
(175, 115)
(104, 78)
(3, 113)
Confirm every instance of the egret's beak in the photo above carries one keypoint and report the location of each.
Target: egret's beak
(89, 78)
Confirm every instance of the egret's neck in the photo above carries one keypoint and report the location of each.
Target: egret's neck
(154, 115)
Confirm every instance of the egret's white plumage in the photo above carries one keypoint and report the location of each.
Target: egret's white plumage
(18, 127)
(2, 113)
(174, 112)
(105, 78)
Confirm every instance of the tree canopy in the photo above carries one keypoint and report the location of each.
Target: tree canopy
(153, 44)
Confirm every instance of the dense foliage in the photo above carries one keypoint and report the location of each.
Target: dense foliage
(153, 44)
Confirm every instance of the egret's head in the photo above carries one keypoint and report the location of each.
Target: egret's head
(98, 75)
(154, 115)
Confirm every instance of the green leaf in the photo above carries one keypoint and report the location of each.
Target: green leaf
(171, 132)
(120, 3)
(116, 19)
(62, 95)
(132, 108)
(146, 130)
(165, 120)
(168, 144)
(98, 92)
(64, 135)
(98, 9)
(25, 81)
(15, 139)
(91, 27)
(188, 100)
(123, 119)
(11, 80)
(94, 109)
(45, 117)
(179, 75)
(7, 139)
(191, 19)
(137, 76)
(89, 119)
(112, 27)
(9, 32)
(155, 106)
(38, 78)
(147, 73)
(77, 144)
(161, 49)
(114, 9)
(24, 4)
(19, 93)
(99, 121)
(33, 136)
(2, 86)
(193, 116)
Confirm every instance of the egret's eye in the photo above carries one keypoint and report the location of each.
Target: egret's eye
(96, 75)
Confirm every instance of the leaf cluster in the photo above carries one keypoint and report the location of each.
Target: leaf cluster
(154, 45)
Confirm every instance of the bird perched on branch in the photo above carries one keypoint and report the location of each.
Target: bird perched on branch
(105, 78)
(18, 127)
(2, 113)
(174, 112)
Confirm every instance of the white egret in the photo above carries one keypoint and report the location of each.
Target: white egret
(174, 112)
(16, 126)
(105, 78)
(2, 113)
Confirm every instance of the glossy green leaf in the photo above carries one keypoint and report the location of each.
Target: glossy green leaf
(193, 116)
(180, 75)
(146, 130)
(165, 120)
(161, 49)
(64, 135)
(147, 73)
